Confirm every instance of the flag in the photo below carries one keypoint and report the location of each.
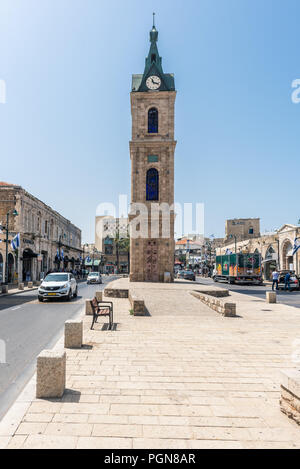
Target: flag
(15, 243)
(296, 245)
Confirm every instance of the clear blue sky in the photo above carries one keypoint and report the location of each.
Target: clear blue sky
(65, 128)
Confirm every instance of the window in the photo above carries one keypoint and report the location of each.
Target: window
(153, 121)
(152, 184)
(153, 58)
(251, 230)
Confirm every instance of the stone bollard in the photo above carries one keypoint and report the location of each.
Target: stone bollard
(229, 310)
(271, 297)
(99, 295)
(4, 289)
(21, 286)
(88, 308)
(73, 334)
(30, 284)
(50, 374)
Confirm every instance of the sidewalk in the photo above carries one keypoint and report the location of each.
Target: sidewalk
(184, 377)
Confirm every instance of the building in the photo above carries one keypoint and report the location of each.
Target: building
(48, 241)
(196, 251)
(112, 240)
(152, 150)
(92, 258)
(241, 228)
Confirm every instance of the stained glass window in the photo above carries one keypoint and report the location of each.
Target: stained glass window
(153, 121)
(152, 184)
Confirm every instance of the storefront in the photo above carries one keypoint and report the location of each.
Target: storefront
(27, 271)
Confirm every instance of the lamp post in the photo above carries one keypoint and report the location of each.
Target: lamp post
(14, 213)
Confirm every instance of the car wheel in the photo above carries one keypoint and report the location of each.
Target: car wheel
(40, 298)
(76, 293)
(69, 297)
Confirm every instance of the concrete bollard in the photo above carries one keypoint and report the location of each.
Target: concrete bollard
(99, 295)
(4, 289)
(229, 310)
(271, 297)
(21, 286)
(50, 374)
(73, 334)
(88, 308)
(30, 284)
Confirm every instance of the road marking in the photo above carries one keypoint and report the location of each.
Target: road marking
(17, 307)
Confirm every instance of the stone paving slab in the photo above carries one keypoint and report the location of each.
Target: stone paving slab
(182, 377)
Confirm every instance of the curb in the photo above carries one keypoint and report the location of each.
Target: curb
(18, 292)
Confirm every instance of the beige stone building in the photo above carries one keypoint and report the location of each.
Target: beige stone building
(241, 228)
(47, 239)
(152, 150)
(109, 234)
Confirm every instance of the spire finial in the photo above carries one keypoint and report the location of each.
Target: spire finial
(153, 19)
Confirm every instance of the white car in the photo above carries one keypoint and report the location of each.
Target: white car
(94, 277)
(58, 285)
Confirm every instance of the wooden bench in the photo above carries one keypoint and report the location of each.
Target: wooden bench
(102, 308)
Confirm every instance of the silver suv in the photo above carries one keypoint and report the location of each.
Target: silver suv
(58, 285)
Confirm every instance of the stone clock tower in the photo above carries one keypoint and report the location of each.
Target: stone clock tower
(152, 170)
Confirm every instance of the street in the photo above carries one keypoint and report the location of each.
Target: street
(287, 298)
(27, 327)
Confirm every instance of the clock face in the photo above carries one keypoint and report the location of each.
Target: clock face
(153, 82)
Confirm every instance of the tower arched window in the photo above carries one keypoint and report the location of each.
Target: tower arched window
(152, 184)
(153, 121)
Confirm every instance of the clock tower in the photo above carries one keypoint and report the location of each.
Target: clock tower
(152, 150)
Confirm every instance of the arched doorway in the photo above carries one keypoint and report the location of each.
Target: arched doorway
(1, 269)
(287, 255)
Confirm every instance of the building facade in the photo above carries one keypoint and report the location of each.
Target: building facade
(152, 150)
(241, 228)
(48, 241)
(112, 240)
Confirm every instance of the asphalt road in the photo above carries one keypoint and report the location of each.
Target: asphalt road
(288, 298)
(27, 327)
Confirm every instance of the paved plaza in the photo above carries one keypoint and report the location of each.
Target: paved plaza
(181, 377)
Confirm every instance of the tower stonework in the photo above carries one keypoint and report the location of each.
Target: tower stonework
(152, 150)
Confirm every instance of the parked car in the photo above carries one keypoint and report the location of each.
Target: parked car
(58, 285)
(189, 275)
(94, 277)
(294, 281)
(180, 274)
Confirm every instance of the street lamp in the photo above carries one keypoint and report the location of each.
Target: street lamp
(6, 228)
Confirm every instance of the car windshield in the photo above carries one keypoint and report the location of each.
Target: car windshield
(56, 278)
(93, 274)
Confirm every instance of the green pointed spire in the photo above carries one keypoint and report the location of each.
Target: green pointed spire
(153, 67)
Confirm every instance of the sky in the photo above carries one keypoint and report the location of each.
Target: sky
(66, 124)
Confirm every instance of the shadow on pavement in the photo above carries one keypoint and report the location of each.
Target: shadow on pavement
(10, 301)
